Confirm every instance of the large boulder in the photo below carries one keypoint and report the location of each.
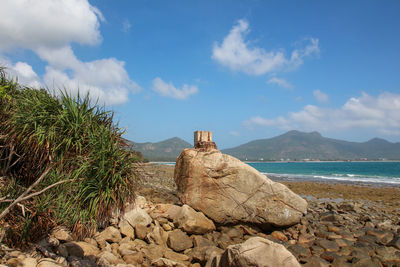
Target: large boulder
(258, 251)
(229, 191)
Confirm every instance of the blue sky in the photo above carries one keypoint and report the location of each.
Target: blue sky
(243, 69)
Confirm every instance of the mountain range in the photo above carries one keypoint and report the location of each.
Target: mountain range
(167, 150)
(293, 145)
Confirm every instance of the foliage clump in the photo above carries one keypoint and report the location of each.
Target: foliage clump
(80, 144)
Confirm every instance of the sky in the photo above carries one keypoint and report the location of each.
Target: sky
(244, 70)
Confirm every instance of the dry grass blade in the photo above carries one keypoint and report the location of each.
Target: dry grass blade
(21, 197)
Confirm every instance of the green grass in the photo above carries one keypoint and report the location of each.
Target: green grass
(79, 140)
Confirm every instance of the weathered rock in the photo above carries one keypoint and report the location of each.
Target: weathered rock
(78, 262)
(157, 236)
(201, 254)
(153, 252)
(110, 234)
(163, 262)
(278, 235)
(135, 258)
(257, 251)
(141, 231)
(108, 257)
(62, 250)
(172, 211)
(386, 225)
(62, 234)
(233, 232)
(365, 262)
(230, 191)
(126, 229)
(343, 242)
(28, 262)
(193, 222)
(328, 245)
(306, 239)
(171, 255)
(47, 262)
(340, 262)
(316, 262)
(179, 241)
(395, 242)
(388, 254)
(329, 256)
(382, 236)
(199, 241)
(224, 241)
(299, 251)
(14, 262)
(137, 216)
(80, 249)
(329, 216)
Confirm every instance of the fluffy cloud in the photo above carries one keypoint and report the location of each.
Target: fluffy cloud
(238, 55)
(280, 82)
(21, 71)
(48, 23)
(48, 27)
(381, 113)
(104, 79)
(320, 96)
(169, 90)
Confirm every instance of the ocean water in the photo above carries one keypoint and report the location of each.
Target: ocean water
(385, 173)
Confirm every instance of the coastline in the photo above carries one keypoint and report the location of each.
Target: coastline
(384, 196)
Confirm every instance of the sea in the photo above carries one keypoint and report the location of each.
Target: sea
(364, 172)
(385, 173)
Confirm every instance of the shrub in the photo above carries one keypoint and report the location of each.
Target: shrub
(81, 144)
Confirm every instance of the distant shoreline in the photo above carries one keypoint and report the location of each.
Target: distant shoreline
(293, 161)
(316, 161)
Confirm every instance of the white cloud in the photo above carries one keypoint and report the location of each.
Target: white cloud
(169, 90)
(320, 96)
(239, 55)
(48, 23)
(126, 26)
(105, 79)
(280, 82)
(21, 71)
(234, 133)
(48, 27)
(380, 114)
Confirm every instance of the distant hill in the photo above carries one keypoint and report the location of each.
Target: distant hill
(295, 145)
(167, 150)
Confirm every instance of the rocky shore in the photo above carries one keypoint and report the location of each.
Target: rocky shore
(345, 225)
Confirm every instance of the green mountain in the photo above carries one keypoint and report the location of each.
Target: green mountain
(167, 150)
(295, 145)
